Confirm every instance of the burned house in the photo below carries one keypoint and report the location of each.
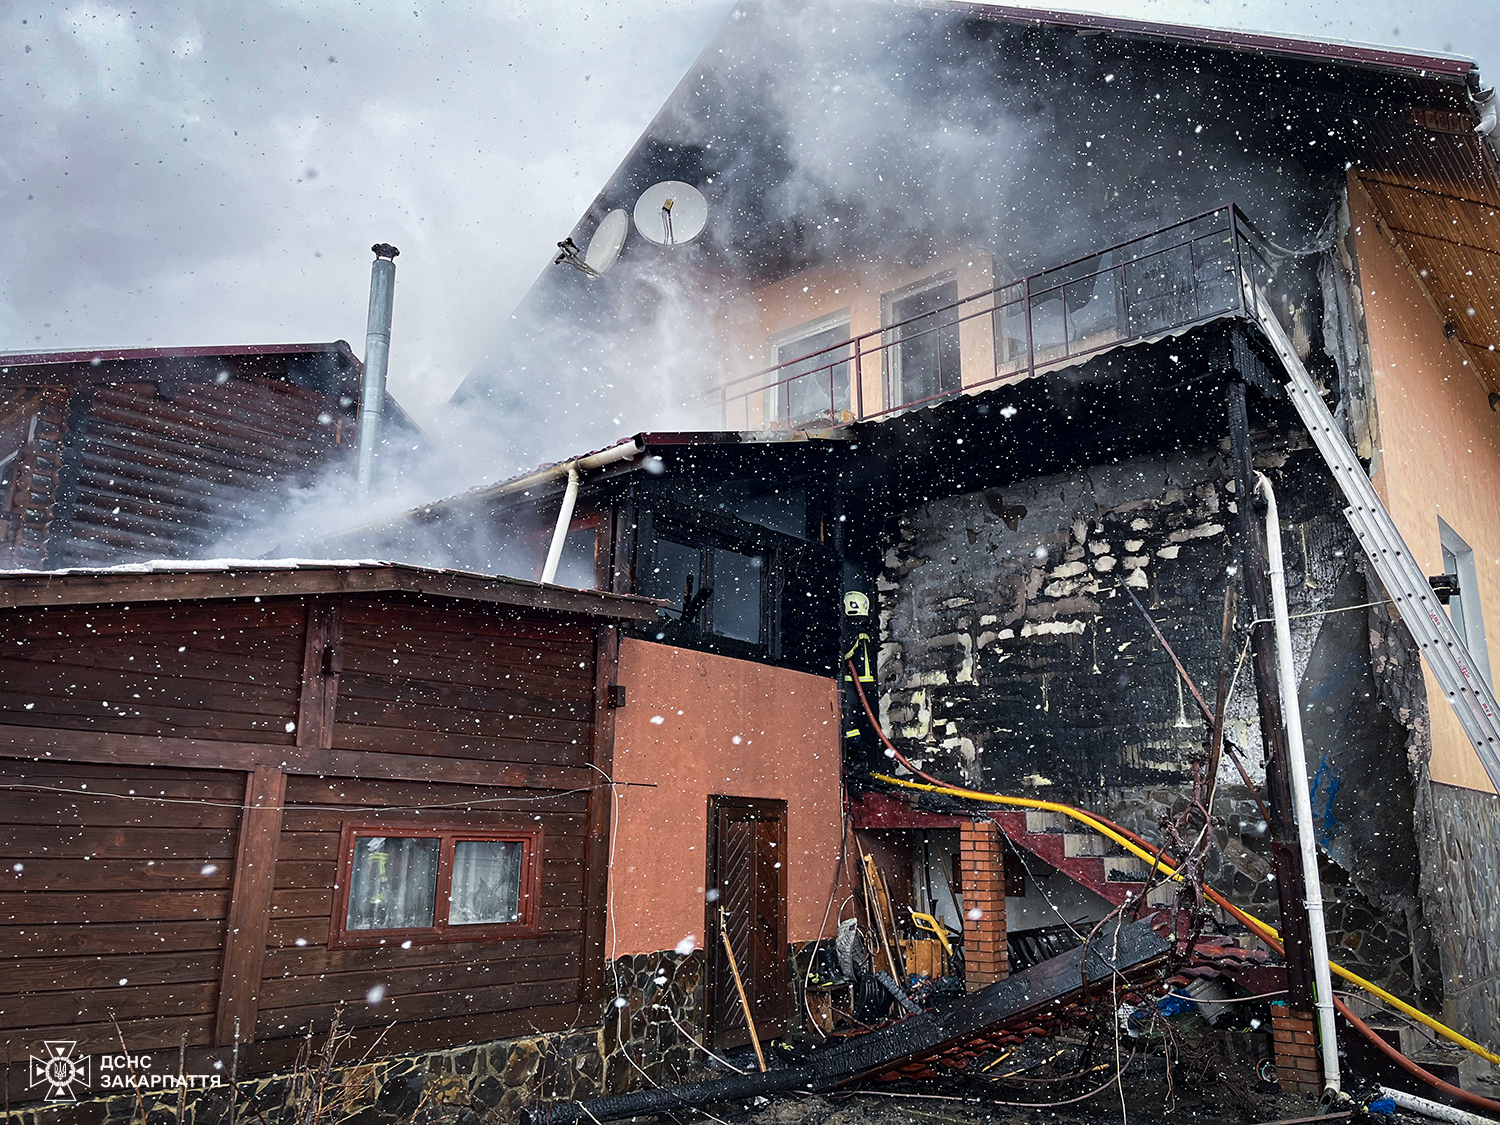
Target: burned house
(1018, 397)
(964, 390)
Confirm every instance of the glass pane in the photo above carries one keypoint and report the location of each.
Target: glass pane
(673, 565)
(819, 383)
(736, 601)
(926, 355)
(486, 882)
(575, 566)
(393, 884)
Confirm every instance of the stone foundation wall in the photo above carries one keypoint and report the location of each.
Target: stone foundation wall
(635, 1045)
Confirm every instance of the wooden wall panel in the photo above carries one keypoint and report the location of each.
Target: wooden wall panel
(114, 902)
(362, 707)
(226, 672)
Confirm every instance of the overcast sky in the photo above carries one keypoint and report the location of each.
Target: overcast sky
(211, 173)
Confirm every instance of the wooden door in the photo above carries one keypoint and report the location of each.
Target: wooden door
(747, 866)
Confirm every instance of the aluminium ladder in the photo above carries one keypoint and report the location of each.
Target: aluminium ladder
(1443, 649)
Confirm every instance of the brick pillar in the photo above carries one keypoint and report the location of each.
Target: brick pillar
(1295, 1038)
(986, 953)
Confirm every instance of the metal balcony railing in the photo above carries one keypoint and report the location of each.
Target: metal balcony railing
(1189, 273)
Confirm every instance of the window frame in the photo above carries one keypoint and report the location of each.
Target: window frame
(448, 835)
(773, 410)
(1469, 623)
(891, 338)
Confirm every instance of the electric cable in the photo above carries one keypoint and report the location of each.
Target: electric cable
(1139, 848)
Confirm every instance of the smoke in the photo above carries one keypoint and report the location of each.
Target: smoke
(845, 135)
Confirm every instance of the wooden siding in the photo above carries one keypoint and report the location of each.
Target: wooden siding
(420, 710)
(228, 671)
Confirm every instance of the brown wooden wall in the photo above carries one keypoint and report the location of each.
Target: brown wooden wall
(214, 818)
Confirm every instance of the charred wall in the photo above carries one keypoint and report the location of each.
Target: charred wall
(1013, 659)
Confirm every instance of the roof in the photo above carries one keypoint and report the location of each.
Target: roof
(114, 365)
(1409, 63)
(166, 581)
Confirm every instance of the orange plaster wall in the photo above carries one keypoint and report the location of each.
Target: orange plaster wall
(747, 325)
(1438, 453)
(787, 723)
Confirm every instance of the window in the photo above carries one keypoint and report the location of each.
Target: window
(815, 380)
(924, 328)
(431, 883)
(1463, 607)
(713, 590)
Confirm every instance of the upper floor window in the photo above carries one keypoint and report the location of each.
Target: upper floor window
(1463, 607)
(814, 381)
(433, 883)
(923, 356)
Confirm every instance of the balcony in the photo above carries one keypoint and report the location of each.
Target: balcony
(1190, 273)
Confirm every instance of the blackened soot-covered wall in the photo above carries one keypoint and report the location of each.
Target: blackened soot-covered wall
(1013, 659)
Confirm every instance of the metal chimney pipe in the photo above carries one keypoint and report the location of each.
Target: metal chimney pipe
(377, 358)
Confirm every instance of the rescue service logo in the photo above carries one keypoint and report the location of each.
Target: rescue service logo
(66, 1075)
(63, 1073)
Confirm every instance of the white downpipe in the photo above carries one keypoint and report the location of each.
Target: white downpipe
(1291, 711)
(560, 532)
(625, 451)
(1435, 1110)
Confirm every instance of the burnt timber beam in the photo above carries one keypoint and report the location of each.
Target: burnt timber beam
(1129, 950)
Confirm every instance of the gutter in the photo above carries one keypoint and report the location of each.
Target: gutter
(574, 471)
(1291, 713)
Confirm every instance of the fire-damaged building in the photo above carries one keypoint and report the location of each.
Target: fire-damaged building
(1076, 500)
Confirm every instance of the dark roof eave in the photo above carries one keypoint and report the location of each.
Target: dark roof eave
(1409, 63)
(119, 355)
(36, 589)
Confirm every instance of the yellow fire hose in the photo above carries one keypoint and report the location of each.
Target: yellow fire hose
(1265, 928)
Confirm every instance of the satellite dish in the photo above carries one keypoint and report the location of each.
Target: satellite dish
(671, 213)
(604, 247)
(609, 239)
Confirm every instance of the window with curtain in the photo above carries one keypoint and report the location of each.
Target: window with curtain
(436, 883)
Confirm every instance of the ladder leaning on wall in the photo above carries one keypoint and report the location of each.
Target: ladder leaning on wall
(1443, 649)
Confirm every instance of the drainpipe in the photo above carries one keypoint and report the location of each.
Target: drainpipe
(575, 470)
(1291, 712)
(377, 356)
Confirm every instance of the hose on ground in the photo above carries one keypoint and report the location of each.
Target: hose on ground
(1160, 862)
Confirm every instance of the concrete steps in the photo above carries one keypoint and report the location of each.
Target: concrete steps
(1089, 859)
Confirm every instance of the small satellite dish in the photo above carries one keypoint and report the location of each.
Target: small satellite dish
(604, 247)
(671, 213)
(609, 239)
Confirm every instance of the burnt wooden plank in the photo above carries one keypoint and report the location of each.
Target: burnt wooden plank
(249, 911)
(319, 676)
(22, 590)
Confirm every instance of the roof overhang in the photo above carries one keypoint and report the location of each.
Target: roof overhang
(174, 582)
